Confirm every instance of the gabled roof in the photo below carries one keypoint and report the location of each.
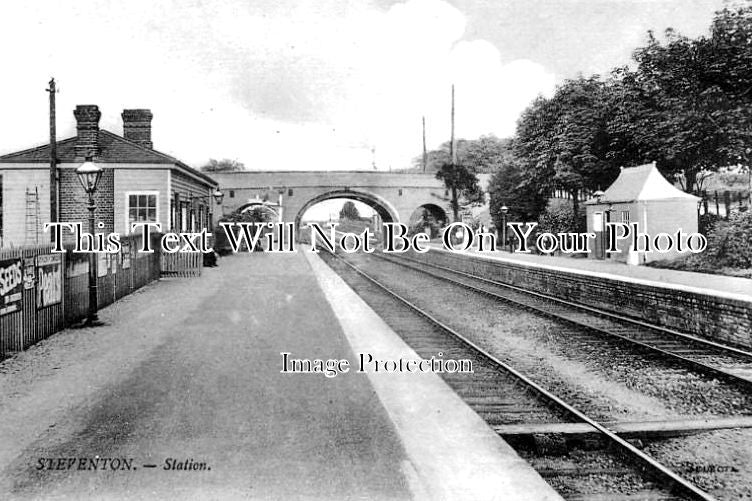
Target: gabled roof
(644, 182)
(112, 149)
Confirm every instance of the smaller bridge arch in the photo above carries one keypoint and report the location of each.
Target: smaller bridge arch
(268, 207)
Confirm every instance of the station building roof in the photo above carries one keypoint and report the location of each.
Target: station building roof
(641, 183)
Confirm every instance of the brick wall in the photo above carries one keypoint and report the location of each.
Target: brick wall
(74, 200)
(717, 318)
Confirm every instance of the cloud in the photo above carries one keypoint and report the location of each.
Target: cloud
(310, 85)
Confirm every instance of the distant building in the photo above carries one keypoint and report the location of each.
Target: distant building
(641, 195)
(138, 182)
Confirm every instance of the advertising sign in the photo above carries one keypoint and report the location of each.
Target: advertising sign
(29, 276)
(103, 264)
(11, 285)
(126, 254)
(50, 285)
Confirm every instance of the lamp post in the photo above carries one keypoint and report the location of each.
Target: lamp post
(598, 195)
(89, 175)
(504, 211)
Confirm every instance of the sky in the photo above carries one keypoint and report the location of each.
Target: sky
(305, 85)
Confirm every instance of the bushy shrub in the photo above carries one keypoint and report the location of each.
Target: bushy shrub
(256, 215)
(707, 222)
(560, 219)
(730, 242)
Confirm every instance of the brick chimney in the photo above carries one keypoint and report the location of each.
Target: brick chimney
(87, 125)
(137, 126)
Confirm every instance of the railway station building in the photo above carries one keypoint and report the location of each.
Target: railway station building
(138, 183)
(641, 195)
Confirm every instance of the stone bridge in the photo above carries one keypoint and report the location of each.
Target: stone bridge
(394, 197)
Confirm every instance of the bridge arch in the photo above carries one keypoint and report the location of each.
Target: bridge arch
(383, 208)
(272, 209)
(429, 217)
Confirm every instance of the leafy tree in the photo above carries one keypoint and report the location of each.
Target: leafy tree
(460, 181)
(509, 187)
(563, 142)
(349, 211)
(482, 155)
(688, 101)
(224, 165)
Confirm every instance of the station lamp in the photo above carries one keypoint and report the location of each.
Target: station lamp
(89, 175)
(504, 210)
(218, 196)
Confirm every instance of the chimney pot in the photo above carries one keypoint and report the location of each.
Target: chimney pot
(87, 127)
(137, 126)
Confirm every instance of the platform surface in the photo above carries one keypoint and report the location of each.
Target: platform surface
(734, 287)
(189, 369)
(454, 452)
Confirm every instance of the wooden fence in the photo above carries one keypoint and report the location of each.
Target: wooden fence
(181, 264)
(42, 292)
(723, 203)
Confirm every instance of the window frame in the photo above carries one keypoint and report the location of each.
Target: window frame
(127, 210)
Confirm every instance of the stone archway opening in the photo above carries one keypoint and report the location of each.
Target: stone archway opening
(379, 209)
(428, 218)
(269, 211)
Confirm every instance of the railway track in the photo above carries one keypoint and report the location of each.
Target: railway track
(725, 363)
(504, 396)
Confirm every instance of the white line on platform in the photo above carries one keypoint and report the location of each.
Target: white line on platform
(454, 453)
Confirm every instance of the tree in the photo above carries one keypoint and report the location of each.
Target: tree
(460, 181)
(689, 100)
(224, 165)
(563, 143)
(509, 187)
(482, 155)
(349, 211)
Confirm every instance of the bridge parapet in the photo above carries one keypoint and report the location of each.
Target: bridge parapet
(394, 196)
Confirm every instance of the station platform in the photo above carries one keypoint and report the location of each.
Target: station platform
(454, 453)
(189, 370)
(704, 283)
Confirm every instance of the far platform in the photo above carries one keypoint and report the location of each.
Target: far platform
(717, 285)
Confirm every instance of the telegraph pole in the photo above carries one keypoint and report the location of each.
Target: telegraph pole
(452, 152)
(53, 155)
(453, 163)
(425, 155)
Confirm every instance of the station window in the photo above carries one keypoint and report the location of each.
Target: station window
(625, 216)
(142, 207)
(232, 193)
(289, 192)
(400, 192)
